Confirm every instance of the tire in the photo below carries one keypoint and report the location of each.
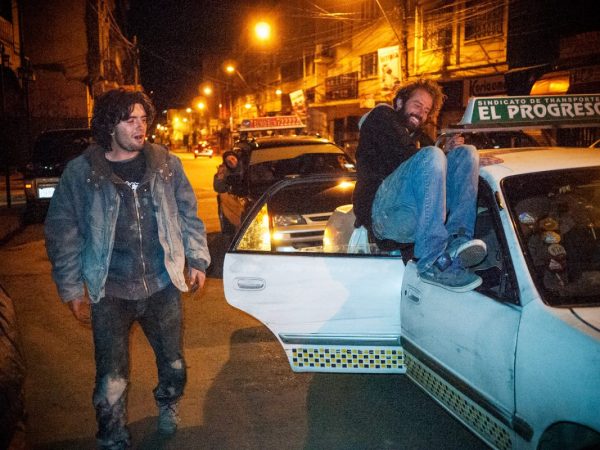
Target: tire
(226, 226)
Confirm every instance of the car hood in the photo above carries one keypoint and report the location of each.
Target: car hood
(588, 315)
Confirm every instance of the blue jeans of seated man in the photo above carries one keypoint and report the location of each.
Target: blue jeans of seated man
(161, 321)
(413, 202)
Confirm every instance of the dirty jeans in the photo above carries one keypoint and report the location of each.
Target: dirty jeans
(160, 319)
(413, 202)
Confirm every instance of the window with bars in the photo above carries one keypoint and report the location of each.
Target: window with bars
(483, 20)
(369, 10)
(437, 26)
(368, 65)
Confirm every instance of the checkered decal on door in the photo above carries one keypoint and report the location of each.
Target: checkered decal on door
(341, 358)
(487, 426)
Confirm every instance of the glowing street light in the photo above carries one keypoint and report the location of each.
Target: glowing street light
(231, 69)
(262, 30)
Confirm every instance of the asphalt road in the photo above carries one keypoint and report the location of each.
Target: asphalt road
(240, 394)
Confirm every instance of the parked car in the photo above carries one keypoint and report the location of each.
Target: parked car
(52, 150)
(203, 149)
(266, 160)
(516, 360)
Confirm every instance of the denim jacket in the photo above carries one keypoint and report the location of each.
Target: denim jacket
(81, 220)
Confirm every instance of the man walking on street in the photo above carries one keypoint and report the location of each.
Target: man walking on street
(421, 195)
(123, 224)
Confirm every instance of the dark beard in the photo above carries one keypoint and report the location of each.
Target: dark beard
(410, 126)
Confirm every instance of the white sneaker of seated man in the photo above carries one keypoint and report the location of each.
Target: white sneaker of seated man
(470, 251)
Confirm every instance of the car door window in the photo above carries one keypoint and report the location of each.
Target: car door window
(496, 269)
(312, 215)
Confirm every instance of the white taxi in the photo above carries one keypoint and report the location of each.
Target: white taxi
(518, 359)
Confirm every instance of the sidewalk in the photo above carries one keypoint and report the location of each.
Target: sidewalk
(11, 221)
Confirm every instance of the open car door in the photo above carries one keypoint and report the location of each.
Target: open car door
(332, 309)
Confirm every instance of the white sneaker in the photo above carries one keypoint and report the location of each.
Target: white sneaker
(470, 251)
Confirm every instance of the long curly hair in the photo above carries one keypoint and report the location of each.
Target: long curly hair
(429, 86)
(114, 106)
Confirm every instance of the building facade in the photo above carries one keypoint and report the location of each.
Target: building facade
(77, 51)
(347, 58)
(13, 79)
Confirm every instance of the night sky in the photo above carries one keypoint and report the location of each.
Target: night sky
(173, 36)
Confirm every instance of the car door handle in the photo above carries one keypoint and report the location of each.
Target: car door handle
(412, 294)
(253, 284)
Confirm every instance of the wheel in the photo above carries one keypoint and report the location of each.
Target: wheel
(226, 226)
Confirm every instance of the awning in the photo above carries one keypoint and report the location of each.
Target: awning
(351, 101)
(576, 80)
(336, 109)
(552, 83)
(519, 80)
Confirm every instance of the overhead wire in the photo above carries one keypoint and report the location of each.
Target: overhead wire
(437, 17)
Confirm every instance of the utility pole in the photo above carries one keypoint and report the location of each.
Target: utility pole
(136, 63)
(400, 42)
(4, 63)
(404, 41)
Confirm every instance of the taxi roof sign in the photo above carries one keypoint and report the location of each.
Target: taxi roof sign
(271, 123)
(574, 110)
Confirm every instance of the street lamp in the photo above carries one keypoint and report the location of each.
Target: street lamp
(231, 69)
(262, 31)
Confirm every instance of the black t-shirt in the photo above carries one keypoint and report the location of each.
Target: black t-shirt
(130, 171)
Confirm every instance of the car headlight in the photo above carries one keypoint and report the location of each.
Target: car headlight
(285, 220)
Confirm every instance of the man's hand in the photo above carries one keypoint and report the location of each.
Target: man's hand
(197, 278)
(80, 307)
(453, 142)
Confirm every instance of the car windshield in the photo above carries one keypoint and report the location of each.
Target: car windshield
(298, 162)
(557, 216)
(506, 139)
(60, 146)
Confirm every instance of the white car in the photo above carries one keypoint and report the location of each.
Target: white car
(517, 360)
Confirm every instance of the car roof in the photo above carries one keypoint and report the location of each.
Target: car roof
(282, 141)
(281, 152)
(500, 163)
